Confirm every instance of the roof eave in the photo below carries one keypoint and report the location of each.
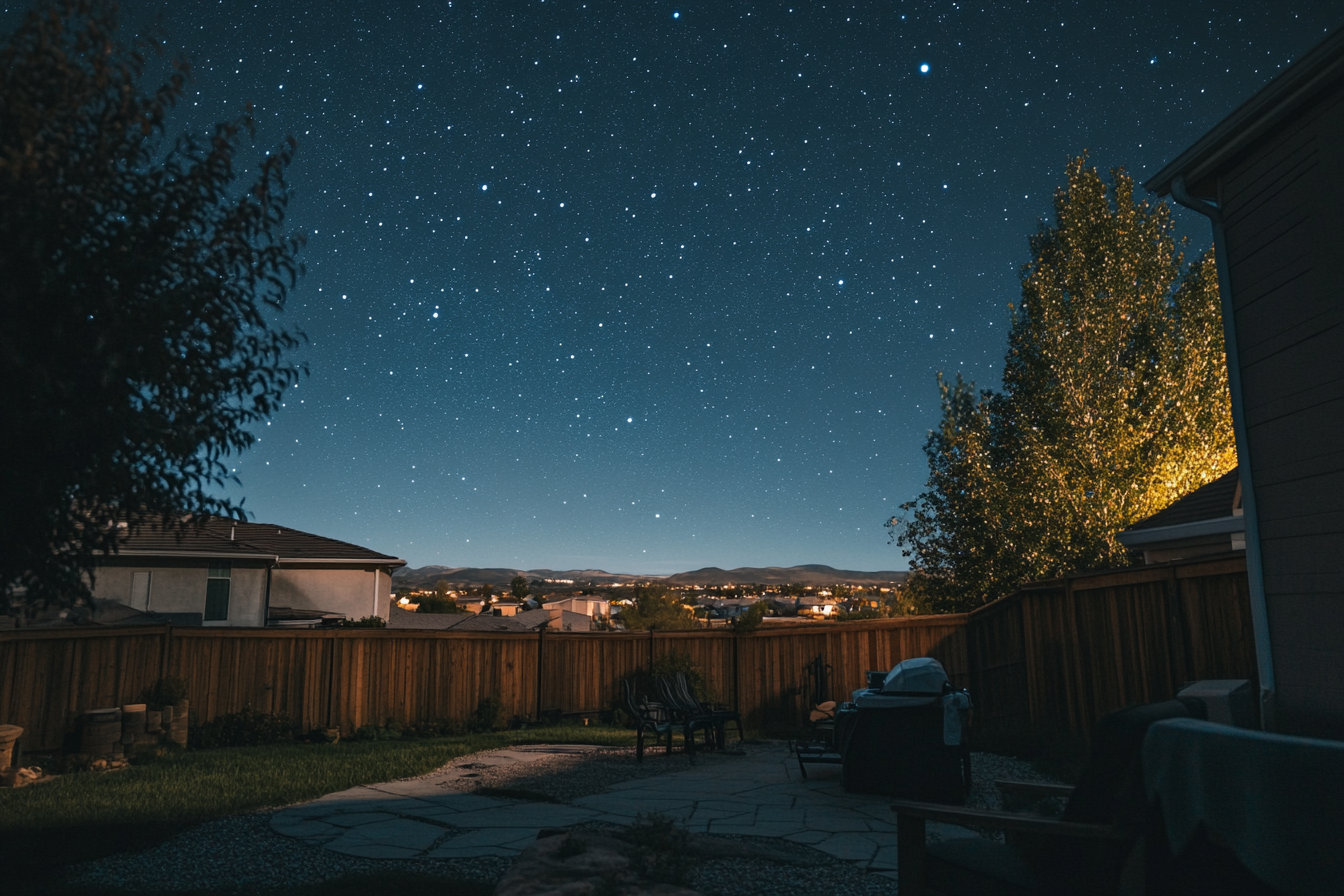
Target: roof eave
(1138, 538)
(393, 562)
(1288, 90)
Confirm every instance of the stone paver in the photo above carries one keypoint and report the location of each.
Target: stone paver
(760, 794)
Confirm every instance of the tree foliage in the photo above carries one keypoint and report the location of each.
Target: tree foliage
(520, 587)
(135, 283)
(654, 606)
(1114, 403)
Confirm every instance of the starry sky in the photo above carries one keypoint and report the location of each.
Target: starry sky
(648, 287)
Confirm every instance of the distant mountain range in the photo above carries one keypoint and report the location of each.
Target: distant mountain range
(811, 574)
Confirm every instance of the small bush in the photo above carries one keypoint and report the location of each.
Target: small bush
(437, 604)
(859, 614)
(489, 715)
(170, 691)
(434, 728)
(669, 664)
(247, 728)
(391, 731)
(366, 622)
(750, 620)
(661, 849)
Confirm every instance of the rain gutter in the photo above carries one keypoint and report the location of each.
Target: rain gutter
(1264, 656)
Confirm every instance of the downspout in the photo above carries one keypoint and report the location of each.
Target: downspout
(1264, 657)
(375, 592)
(266, 604)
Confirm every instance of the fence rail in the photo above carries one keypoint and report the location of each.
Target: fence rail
(1048, 660)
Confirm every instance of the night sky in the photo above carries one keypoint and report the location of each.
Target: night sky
(649, 287)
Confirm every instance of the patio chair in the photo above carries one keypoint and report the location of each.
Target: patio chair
(821, 746)
(719, 715)
(686, 714)
(647, 717)
(1091, 848)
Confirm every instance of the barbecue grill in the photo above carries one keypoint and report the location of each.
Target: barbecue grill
(908, 737)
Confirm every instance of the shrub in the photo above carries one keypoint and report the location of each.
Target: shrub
(246, 728)
(393, 730)
(750, 620)
(169, 691)
(438, 604)
(366, 622)
(669, 664)
(661, 849)
(858, 615)
(433, 728)
(489, 715)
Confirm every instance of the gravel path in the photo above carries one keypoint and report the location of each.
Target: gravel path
(242, 854)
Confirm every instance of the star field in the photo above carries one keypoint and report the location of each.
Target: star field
(649, 287)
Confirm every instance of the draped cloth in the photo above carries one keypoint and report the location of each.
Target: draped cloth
(1276, 800)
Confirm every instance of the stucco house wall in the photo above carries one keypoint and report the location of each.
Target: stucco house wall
(179, 586)
(355, 592)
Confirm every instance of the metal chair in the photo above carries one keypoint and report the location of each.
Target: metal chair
(821, 748)
(719, 715)
(688, 716)
(646, 717)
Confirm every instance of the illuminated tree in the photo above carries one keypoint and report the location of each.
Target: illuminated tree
(135, 286)
(1114, 404)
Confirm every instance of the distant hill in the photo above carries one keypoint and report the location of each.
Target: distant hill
(428, 576)
(811, 574)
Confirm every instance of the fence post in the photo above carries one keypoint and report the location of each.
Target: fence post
(541, 641)
(1179, 648)
(166, 658)
(737, 694)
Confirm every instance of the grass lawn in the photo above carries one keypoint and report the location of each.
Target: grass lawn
(87, 815)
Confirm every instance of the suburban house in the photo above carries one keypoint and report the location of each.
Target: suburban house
(588, 606)
(1270, 179)
(231, 573)
(1209, 520)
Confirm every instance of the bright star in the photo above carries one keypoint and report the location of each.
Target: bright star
(923, 68)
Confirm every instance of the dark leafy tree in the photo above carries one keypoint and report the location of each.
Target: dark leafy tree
(520, 587)
(656, 606)
(1114, 404)
(137, 278)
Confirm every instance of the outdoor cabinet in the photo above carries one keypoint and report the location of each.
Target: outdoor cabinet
(899, 751)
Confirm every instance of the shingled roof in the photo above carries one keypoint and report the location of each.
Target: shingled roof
(1209, 502)
(232, 539)
(458, 622)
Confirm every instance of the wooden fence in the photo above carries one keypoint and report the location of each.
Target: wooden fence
(1050, 659)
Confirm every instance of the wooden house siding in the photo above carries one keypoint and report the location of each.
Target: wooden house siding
(1282, 202)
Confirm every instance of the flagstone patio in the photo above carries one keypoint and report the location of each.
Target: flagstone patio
(758, 793)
